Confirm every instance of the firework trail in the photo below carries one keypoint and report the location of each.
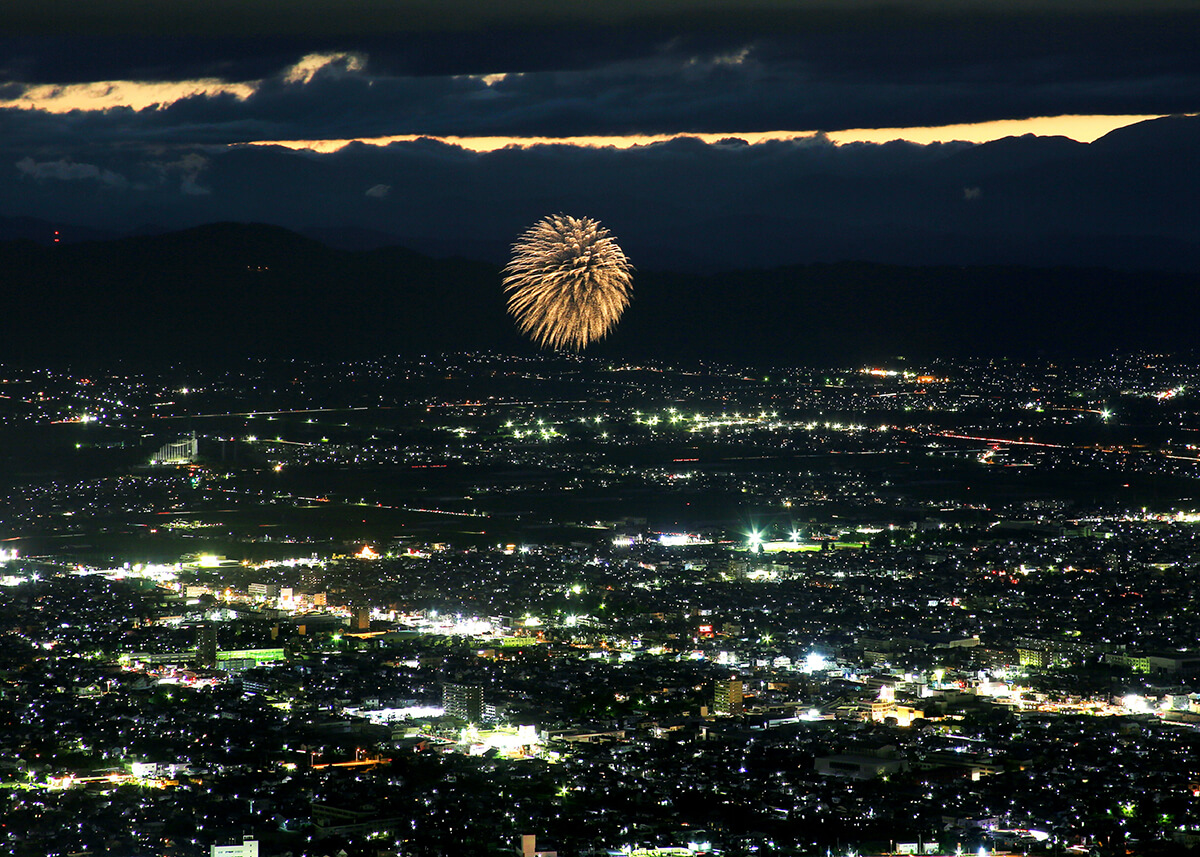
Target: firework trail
(568, 282)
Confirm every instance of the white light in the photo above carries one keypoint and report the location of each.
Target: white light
(673, 539)
(1135, 703)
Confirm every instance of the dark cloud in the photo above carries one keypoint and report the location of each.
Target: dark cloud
(681, 205)
(642, 66)
(350, 17)
(66, 170)
(763, 85)
(187, 168)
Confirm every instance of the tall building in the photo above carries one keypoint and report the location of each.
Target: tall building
(727, 697)
(206, 645)
(464, 701)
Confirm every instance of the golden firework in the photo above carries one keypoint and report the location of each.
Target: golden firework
(568, 282)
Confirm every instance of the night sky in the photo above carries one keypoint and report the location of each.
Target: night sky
(130, 115)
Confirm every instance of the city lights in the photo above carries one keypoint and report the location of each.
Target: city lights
(913, 612)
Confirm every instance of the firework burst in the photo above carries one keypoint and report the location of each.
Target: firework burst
(568, 282)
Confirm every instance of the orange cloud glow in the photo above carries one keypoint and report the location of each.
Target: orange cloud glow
(1082, 128)
(120, 93)
(1085, 129)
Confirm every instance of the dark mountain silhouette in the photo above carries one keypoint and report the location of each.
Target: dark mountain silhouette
(49, 232)
(349, 238)
(233, 289)
(229, 290)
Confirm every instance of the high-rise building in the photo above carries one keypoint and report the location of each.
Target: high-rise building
(464, 701)
(362, 619)
(727, 697)
(206, 645)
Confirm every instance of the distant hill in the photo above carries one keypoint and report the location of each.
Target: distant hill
(48, 232)
(229, 290)
(233, 289)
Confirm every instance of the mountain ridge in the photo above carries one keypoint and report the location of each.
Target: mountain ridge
(226, 291)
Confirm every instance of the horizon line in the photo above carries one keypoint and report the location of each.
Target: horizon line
(1081, 128)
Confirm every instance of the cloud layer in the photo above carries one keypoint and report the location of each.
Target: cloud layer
(682, 205)
(127, 114)
(542, 69)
